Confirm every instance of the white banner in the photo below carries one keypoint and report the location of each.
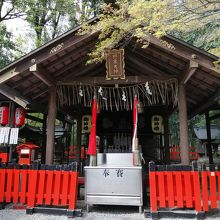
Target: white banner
(14, 136)
(4, 135)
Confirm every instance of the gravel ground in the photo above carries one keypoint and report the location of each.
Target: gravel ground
(96, 213)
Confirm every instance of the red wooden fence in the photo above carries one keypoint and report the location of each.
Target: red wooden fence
(175, 186)
(210, 182)
(49, 185)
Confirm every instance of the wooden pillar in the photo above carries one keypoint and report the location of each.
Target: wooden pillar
(166, 139)
(208, 145)
(44, 139)
(51, 125)
(184, 148)
(12, 125)
(79, 137)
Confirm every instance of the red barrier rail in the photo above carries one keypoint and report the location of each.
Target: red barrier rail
(210, 181)
(175, 153)
(174, 187)
(39, 187)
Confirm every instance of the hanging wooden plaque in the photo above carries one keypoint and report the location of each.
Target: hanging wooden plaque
(115, 64)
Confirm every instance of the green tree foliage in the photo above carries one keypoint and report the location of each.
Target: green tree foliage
(50, 18)
(81, 11)
(125, 19)
(196, 22)
(40, 13)
(6, 46)
(204, 37)
(10, 9)
(201, 27)
(47, 18)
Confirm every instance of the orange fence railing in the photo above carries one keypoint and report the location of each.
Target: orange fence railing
(210, 181)
(39, 185)
(176, 186)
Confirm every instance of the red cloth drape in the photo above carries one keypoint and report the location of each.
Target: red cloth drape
(92, 137)
(135, 119)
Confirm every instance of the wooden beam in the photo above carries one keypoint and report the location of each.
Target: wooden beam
(130, 70)
(189, 99)
(18, 98)
(188, 73)
(79, 72)
(194, 91)
(182, 106)
(32, 87)
(73, 65)
(160, 53)
(39, 72)
(101, 80)
(82, 50)
(184, 51)
(203, 83)
(213, 76)
(155, 61)
(22, 80)
(51, 125)
(207, 103)
(146, 66)
(98, 71)
(14, 95)
(8, 75)
(42, 54)
(39, 94)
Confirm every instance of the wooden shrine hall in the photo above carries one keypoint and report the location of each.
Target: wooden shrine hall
(168, 75)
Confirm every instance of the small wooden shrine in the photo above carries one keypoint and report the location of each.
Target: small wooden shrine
(56, 81)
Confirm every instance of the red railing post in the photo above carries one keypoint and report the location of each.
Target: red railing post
(170, 188)
(16, 185)
(153, 185)
(65, 187)
(57, 191)
(8, 192)
(205, 189)
(41, 189)
(73, 189)
(213, 190)
(2, 184)
(49, 186)
(196, 187)
(32, 188)
(24, 185)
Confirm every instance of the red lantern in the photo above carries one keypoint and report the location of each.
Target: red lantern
(4, 111)
(19, 116)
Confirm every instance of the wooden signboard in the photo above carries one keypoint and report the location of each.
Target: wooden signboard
(115, 64)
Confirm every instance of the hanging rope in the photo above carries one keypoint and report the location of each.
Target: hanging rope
(155, 92)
